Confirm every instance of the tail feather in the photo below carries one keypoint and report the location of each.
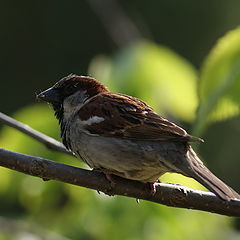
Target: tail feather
(203, 175)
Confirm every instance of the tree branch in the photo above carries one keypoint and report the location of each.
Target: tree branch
(46, 140)
(167, 194)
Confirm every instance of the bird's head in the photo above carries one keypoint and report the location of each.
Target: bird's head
(70, 93)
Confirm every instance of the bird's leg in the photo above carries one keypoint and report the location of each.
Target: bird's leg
(110, 177)
(152, 187)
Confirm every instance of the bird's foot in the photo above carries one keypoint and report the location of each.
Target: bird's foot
(152, 187)
(110, 177)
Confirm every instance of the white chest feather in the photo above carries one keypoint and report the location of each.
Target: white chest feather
(91, 120)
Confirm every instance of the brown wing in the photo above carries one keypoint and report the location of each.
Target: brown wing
(130, 118)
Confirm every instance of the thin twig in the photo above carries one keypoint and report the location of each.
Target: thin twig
(120, 28)
(167, 194)
(46, 140)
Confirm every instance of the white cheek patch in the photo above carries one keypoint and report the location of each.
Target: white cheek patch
(91, 120)
(73, 103)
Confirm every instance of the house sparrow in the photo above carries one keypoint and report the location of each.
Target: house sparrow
(121, 135)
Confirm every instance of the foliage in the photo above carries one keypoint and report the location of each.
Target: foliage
(219, 83)
(168, 83)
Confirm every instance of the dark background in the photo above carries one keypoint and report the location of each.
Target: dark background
(42, 41)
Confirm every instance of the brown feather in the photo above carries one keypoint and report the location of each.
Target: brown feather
(130, 118)
(203, 175)
(72, 83)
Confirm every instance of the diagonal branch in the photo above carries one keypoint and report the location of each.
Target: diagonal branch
(46, 140)
(167, 194)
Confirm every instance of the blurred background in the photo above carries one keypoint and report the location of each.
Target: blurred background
(159, 51)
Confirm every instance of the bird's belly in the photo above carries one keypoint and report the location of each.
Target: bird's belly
(130, 159)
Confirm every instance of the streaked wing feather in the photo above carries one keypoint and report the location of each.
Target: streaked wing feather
(130, 118)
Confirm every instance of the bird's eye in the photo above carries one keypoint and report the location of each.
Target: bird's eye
(69, 90)
(71, 87)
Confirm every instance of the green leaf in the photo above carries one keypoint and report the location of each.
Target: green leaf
(158, 76)
(219, 85)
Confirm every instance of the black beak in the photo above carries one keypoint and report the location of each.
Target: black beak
(50, 95)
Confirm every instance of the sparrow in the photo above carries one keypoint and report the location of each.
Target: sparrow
(121, 135)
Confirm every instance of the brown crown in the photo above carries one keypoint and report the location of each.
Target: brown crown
(73, 82)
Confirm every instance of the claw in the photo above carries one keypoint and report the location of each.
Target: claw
(111, 179)
(109, 176)
(152, 187)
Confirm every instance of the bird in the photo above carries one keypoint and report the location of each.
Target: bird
(121, 135)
